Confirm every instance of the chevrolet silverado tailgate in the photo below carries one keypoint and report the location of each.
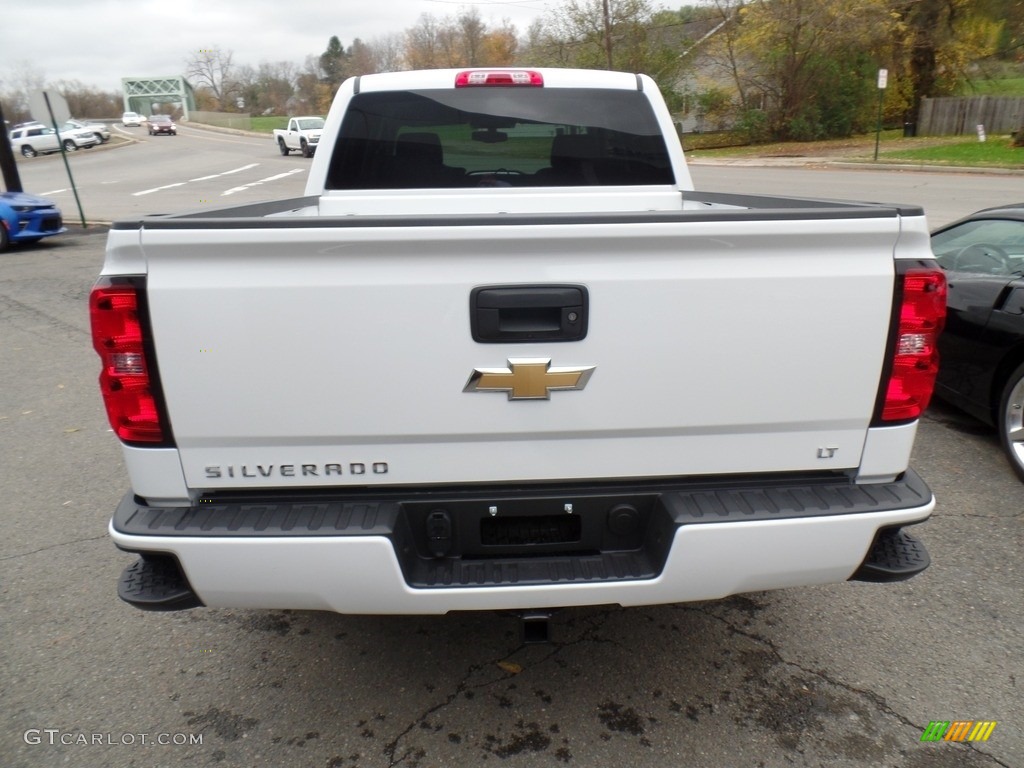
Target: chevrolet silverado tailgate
(342, 351)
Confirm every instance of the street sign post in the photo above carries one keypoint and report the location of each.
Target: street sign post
(883, 81)
(43, 104)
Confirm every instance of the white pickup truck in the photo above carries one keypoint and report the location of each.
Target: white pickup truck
(302, 134)
(503, 356)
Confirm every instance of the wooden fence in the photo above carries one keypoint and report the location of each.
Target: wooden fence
(955, 116)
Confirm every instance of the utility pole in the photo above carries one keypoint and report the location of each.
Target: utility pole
(608, 33)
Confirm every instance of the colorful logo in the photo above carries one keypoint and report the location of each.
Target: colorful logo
(958, 730)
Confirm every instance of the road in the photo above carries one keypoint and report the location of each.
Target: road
(164, 174)
(199, 167)
(844, 676)
(945, 196)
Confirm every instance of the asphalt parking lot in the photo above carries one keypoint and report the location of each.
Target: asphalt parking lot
(847, 675)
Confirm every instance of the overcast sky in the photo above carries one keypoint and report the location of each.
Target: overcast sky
(97, 42)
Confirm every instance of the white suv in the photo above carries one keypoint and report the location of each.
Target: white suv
(36, 138)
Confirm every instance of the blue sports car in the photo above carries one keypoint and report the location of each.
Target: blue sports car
(26, 218)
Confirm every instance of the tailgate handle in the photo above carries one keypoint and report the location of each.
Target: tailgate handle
(504, 314)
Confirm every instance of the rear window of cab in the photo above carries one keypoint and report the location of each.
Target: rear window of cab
(479, 137)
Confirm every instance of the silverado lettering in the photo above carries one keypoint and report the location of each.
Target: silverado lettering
(490, 222)
(291, 470)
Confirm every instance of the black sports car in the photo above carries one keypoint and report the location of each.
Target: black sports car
(982, 347)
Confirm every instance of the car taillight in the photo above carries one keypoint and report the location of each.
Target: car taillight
(117, 335)
(505, 77)
(909, 378)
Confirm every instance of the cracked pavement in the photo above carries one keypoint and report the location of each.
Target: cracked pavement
(842, 675)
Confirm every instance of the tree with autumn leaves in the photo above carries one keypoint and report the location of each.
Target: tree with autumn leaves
(807, 69)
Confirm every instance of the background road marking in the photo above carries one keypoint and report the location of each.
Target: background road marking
(201, 178)
(262, 181)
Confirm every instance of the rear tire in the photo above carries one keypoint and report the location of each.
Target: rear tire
(1010, 420)
(283, 147)
(27, 151)
(69, 145)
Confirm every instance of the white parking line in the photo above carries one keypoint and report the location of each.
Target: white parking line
(201, 178)
(157, 189)
(226, 173)
(261, 181)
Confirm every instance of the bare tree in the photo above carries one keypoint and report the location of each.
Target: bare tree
(600, 34)
(268, 88)
(472, 32)
(389, 52)
(85, 101)
(312, 95)
(449, 41)
(24, 80)
(212, 69)
(423, 47)
(361, 59)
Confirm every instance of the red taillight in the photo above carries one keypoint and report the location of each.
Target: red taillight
(124, 379)
(915, 354)
(474, 77)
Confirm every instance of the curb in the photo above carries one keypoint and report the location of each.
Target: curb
(848, 164)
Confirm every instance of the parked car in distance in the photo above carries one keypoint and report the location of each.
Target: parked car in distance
(99, 130)
(132, 119)
(35, 138)
(982, 346)
(161, 124)
(26, 218)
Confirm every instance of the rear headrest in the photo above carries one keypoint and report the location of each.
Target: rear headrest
(574, 146)
(422, 147)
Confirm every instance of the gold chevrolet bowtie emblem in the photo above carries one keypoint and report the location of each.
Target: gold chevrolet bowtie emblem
(528, 379)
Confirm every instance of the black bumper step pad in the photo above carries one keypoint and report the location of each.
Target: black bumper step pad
(156, 583)
(895, 555)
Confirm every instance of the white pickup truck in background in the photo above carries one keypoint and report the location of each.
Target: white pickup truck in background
(302, 134)
(503, 356)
